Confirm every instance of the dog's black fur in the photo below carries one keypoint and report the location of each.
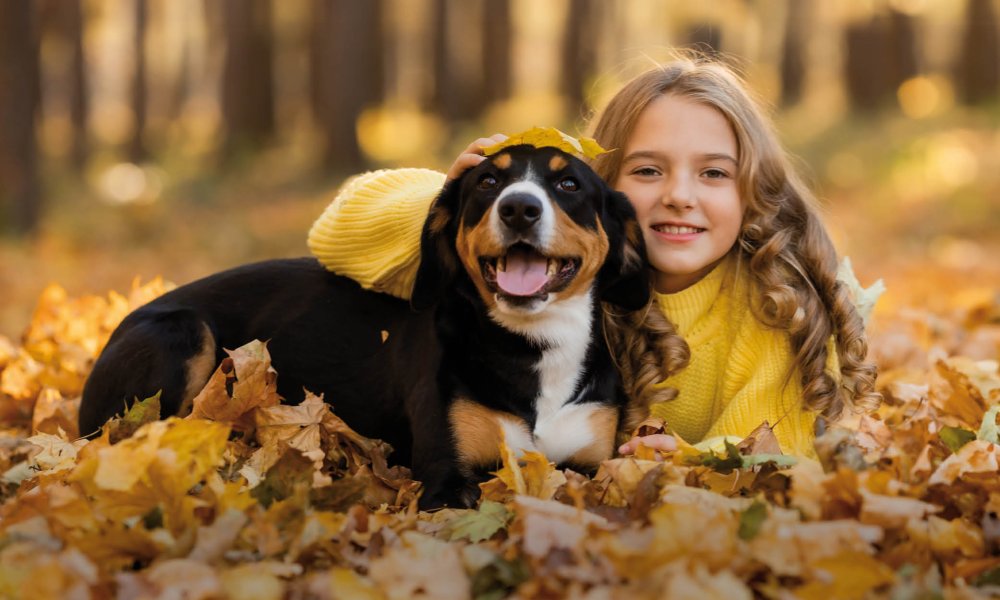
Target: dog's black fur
(460, 362)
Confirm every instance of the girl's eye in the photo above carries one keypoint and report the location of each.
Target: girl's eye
(715, 174)
(568, 184)
(646, 172)
(487, 182)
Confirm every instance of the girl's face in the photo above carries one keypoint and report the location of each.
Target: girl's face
(679, 171)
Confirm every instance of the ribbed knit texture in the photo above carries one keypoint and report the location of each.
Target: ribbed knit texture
(740, 373)
(371, 230)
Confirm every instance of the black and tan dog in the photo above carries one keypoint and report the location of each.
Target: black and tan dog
(503, 336)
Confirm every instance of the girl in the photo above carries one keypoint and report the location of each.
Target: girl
(748, 322)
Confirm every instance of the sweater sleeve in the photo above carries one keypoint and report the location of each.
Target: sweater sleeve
(371, 230)
(763, 387)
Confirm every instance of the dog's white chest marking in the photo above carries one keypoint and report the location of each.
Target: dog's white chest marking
(561, 428)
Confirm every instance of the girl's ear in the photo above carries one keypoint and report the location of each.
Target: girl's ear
(624, 278)
(438, 257)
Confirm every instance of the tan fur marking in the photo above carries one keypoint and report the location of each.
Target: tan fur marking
(477, 431)
(503, 161)
(603, 423)
(590, 245)
(439, 218)
(472, 243)
(198, 369)
(558, 163)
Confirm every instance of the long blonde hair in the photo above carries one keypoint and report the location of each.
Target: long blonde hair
(791, 260)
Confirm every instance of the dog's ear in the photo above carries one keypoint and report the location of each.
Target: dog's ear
(438, 257)
(624, 278)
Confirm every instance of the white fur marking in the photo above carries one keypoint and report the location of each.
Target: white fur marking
(516, 435)
(529, 184)
(567, 431)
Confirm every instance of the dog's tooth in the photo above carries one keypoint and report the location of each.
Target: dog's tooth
(502, 263)
(552, 267)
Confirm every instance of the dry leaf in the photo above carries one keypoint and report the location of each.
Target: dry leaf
(550, 136)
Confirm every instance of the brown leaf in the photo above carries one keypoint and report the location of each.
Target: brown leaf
(243, 383)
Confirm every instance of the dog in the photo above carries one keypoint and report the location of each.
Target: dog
(502, 338)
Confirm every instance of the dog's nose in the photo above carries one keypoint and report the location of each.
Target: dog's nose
(520, 211)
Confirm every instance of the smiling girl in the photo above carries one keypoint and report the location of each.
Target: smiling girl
(748, 322)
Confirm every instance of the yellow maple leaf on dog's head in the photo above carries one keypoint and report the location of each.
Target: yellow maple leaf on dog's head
(541, 137)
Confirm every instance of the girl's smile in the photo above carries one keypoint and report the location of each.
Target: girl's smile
(680, 171)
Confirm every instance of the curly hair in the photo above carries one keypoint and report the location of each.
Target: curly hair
(791, 259)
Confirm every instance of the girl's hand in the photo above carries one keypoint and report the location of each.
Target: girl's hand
(659, 441)
(472, 155)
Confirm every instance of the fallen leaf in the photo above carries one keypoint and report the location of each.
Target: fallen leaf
(550, 136)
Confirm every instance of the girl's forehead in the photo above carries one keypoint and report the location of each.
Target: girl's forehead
(680, 123)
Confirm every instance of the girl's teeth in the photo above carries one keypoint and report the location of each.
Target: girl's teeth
(677, 230)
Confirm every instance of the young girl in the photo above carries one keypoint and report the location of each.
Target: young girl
(743, 269)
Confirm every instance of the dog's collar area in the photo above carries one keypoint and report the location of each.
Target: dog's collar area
(524, 274)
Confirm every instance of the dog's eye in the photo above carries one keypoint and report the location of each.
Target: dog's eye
(568, 184)
(487, 182)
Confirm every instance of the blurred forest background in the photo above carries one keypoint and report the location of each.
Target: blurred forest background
(179, 137)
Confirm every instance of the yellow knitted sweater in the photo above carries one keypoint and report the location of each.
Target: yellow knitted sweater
(740, 373)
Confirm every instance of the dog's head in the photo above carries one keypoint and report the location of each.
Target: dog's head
(532, 227)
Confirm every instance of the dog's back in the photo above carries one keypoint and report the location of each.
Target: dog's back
(324, 333)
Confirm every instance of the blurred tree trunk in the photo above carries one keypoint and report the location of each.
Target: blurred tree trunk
(137, 147)
(20, 96)
(579, 51)
(247, 77)
(347, 73)
(78, 85)
(978, 70)
(905, 54)
(866, 64)
(882, 53)
(496, 52)
(793, 64)
(458, 91)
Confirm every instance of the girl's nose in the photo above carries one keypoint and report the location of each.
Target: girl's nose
(680, 193)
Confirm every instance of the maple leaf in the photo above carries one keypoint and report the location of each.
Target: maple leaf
(864, 299)
(550, 136)
(420, 566)
(137, 415)
(988, 430)
(56, 452)
(243, 383)
(530, 474)
(976, 458)
(479, 525)
(956, 437)
(53, 412)
(845, 575)
(751, 520)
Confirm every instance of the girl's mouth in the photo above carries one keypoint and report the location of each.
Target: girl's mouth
(677, 229)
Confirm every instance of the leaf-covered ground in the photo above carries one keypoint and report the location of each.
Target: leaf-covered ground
(246, 498)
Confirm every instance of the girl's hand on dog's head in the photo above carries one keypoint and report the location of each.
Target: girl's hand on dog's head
(473, 155)
(659, 441)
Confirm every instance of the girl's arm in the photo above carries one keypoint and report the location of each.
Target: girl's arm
(371, 231)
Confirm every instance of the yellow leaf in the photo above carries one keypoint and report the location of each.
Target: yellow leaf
(847, 575)
(550, 136)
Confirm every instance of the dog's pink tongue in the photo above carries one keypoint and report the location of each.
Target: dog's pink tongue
(525, 273)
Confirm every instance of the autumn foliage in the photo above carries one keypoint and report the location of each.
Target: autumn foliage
(249, 498)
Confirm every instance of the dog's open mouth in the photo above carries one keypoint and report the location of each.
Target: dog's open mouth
(525, 273)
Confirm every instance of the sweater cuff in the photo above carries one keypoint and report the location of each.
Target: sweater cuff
(371, 231)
